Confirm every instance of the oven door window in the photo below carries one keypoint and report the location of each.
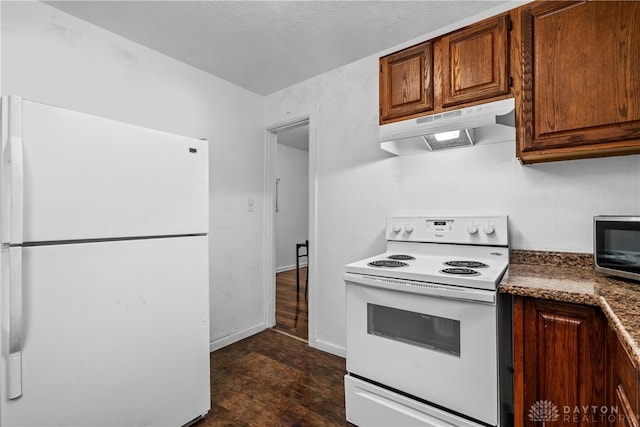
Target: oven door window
(422, 330)
(618, 245)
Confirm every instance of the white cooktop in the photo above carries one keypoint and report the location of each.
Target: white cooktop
(427, 268)
(434, 241)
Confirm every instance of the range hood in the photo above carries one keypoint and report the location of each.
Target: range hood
(486, 123)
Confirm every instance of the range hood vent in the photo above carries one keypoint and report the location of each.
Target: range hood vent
(486, 123)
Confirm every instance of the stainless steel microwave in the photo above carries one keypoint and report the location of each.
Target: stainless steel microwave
(616, 245)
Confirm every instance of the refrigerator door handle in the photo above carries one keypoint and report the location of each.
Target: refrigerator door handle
(14, 361)
(12, 170)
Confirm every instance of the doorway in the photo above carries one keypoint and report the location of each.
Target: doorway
(292, 231)
(289, 251)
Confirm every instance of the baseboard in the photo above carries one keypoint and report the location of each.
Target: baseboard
(230, 339)
(289, 267)
(329, 348)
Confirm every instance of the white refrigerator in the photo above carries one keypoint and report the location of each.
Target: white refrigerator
(104, 301)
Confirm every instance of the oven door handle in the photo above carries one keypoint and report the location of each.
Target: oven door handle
(422, 288)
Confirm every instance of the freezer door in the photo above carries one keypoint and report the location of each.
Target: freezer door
(114, 334)
(87, 177)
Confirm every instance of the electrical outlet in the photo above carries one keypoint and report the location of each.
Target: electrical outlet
(250, 205)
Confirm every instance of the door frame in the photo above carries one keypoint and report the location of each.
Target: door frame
(271, 136)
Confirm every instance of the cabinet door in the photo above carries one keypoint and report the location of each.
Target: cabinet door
(406, 82)
(581, 85)
(559, 361)
(623, 384)
(475, 62)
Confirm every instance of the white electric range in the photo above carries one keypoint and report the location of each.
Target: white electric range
(428, 335)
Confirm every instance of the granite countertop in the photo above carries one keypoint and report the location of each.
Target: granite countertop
(570, 277)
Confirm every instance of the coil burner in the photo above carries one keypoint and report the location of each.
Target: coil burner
(466, 264)
(460, 271)
(388, 263)
(401, 257)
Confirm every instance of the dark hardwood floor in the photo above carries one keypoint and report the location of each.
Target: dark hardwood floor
(292, 313)
(271, 379)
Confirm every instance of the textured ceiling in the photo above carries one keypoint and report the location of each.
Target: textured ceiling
(265, 46)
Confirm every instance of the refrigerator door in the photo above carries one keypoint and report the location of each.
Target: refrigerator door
(114, 334)
(86, 177)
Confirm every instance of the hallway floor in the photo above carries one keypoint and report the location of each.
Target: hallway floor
(271, 379)
(292, 308)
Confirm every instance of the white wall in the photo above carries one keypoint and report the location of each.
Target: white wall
(292, 218)
(54, 58)
(550, 206)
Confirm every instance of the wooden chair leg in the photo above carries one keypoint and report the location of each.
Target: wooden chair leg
(297, 270)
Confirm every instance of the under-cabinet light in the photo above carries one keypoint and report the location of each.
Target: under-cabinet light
(445, 136)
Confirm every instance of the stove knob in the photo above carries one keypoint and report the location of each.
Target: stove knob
(488, 229)
(396, 228)
(408, 228)
(472, 229)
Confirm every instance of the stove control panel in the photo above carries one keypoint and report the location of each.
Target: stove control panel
(480, 230)
(439, 225)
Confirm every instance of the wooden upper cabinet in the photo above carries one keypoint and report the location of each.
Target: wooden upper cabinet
(475, 62)
(580, 92)
(406, 82)
(462, 68)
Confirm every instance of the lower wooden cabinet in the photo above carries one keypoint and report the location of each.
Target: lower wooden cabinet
(560, 363)
(570, 367)
(623, 384)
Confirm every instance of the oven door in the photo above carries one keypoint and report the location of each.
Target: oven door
(439, 345)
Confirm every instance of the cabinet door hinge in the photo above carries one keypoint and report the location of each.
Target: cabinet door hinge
(509, 24)
(510, 81)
